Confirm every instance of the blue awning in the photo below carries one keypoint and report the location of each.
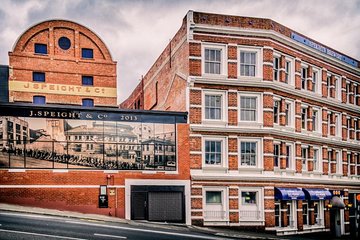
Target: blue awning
(317, 194)
(289, 194)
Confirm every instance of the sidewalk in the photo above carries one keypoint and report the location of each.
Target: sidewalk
(217, 231)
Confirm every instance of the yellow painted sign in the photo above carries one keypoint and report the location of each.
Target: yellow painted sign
(62, 89)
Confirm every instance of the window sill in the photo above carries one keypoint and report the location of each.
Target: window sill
(286, 127)
(283, 171)
(214, 122)
(42, 54)
(243, 169)
(250, 124)
(209, 168)
(306, 227)
(252, 78)
(214, 76)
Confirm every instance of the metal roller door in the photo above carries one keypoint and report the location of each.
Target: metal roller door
(166, 206)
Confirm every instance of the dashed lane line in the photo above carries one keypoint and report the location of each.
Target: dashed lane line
(109, 236)
(40, 234)
(148, 231)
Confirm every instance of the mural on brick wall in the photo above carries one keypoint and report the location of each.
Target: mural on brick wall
(35, 142)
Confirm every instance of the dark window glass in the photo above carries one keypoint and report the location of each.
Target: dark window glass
(39, 100)
(276, 155)
(87, 53)
(213, 197)
(248, 197)
(40, 48)
(87, 80)
(64, 43)
(38, 76)
(88, 102)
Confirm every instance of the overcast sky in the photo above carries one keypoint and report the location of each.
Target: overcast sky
(136, 32)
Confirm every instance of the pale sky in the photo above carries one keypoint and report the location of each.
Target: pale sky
(136, 32)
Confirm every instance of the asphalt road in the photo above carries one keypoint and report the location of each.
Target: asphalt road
(39, 227)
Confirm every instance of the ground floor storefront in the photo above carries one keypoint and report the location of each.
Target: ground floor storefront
(285, 209)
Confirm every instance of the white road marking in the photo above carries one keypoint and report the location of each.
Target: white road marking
(39, 234)
(27, 215)
(147, 230)
(110, 236)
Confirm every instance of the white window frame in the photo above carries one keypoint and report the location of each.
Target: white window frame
(320, 213)
(276, 56)
(224, 152)
(338, 125)
(306, 158)
(224, 110)
(291, 113)
(259, 206)
(291, 80)
(277, 143)
(224, 204)
(292, 156)
(348, 161)
(276, 99)
(259, 110)
(304, 66)
(339, 167)
(319, 160)
(356, 122)
(338, 88)
(259, 155)
(318, 85)
(259, 61)
(224, 57)
(347, 87)
(328, 84)
(306, 117)
(356, 156)
(318, 123)
(305, 202)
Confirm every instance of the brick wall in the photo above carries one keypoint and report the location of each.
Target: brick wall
(62, 66)
(48, 189)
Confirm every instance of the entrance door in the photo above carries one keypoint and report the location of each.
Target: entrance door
(158, 203)
(139, 205)
(335, 222)
(166, 206)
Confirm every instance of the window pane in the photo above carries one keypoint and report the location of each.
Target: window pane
(213, 152)
(87, 53)
(87, 80)
(87, 103)
(213, 197)
(213, 105)
(247, 108)
(39, 100)
(212, 61)
(248, 153)
(40, 48)
(248, 197)
(38, 76)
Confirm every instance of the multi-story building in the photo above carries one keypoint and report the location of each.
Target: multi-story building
(61, 62)
(121, 163)
(274, 123)
(14, 130)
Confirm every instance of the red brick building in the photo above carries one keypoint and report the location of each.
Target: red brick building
(274, 123)
(62, 62)
(127, 164)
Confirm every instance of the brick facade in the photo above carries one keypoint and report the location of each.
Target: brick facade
(63, 68)
(304, 124)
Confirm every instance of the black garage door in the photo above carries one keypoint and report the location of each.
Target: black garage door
(158, 203)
